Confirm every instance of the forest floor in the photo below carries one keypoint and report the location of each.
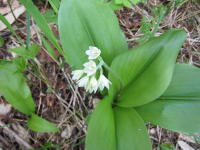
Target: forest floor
(67, 105)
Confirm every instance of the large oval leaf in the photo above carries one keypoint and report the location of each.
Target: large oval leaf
(84, 23)
(185, 83)
(178, 115)
(130, 130)
(145, 72)
(178, 108)
(14, 88)
(101, 128)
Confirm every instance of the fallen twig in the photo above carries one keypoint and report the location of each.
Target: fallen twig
(11, 133)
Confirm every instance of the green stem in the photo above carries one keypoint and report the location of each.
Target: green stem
(111, 71)
(28, 32)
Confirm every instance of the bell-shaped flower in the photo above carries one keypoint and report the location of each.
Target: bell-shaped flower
(90, 67)
(92, 86)
(103, 82)
(83, 82)
(77, 74)
(93, 52)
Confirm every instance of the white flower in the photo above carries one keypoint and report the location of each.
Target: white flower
(103, 82)
(90, 68)
(89, 81)
(92, 86)
(77, 74)
(93, 52)
(83, 82)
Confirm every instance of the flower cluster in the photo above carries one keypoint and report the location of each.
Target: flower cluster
(87, 77)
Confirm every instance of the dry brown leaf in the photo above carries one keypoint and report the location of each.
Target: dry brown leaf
(67, 132)
(4, 109)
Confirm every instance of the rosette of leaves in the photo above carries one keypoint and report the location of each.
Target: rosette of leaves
(147, 84)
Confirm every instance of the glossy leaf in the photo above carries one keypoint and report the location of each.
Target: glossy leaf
(101, 128)
(14, 88)
(178, 115)
(185, 84)
(38, 124)
(84, 23)
(145, 72)
(178, 108)
(131, 131)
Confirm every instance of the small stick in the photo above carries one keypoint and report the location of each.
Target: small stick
(17, 138)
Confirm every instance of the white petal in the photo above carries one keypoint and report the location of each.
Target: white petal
(88, 52)
(90, 68)
(77, 74)
(103, 82)
(93, 52)
(92, 85)
(83, 81)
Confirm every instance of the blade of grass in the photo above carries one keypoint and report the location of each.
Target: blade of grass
(8, 25)
(41, 22)
(55, 4)
(28, 31)
(50, 50)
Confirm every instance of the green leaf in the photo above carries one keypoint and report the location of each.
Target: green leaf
(14, 88)
(55, 4)
(41, 22)
(101, 128)
(50, 16)
(29, 53)
(49, 49)
(84, 23)
(135, 1)
(145, 72)
(185, 84)
(167, 146)
(38, 124)
(178, 108)
(20, 63)
(115, 6)
(118, 1)
(130, 130)
(126, 3)
(1, 41)
(177, 115)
